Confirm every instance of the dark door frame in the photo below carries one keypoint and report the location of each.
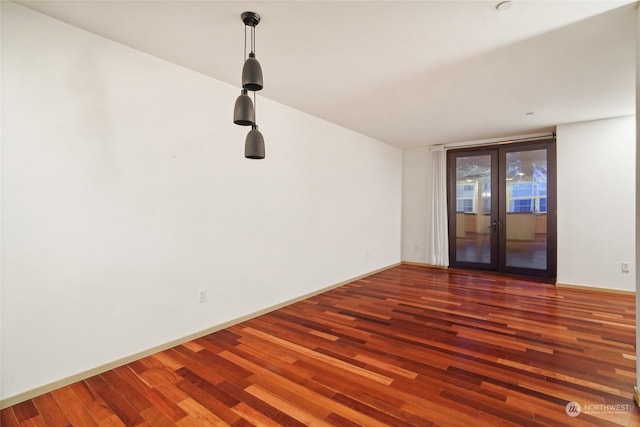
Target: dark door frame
(498, 207)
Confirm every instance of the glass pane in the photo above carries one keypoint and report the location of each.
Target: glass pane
(473, 209)
(526, 219)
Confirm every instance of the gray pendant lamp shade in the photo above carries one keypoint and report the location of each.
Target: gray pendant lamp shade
(252, 74)
(243, 113)
(254, 144)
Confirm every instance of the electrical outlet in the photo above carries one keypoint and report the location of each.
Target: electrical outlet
(203, 295)
(624, 267)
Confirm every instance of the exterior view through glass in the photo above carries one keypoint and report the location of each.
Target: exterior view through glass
(526, 209)
(473, 209)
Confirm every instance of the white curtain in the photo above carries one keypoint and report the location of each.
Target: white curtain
(439, 242)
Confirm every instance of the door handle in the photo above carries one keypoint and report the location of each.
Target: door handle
(495, 224)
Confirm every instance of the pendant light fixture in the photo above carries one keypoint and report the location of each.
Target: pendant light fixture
(251, 71)
(254, 144)
(244, 112)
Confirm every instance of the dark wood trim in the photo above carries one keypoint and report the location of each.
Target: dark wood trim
(452, 208)
(498, 211)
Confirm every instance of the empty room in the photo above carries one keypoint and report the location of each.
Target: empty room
(324, 213)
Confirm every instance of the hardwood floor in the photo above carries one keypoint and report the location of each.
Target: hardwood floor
(410, 346)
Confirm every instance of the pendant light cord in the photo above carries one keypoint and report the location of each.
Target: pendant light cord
(245, 44)
(253, 39)
(253, 47)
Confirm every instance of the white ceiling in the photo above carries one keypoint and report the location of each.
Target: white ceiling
(410, 73)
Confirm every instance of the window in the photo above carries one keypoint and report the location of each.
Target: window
(521, 189)
(464, 205)
(465, 191)
(522, 205)
(543, 204)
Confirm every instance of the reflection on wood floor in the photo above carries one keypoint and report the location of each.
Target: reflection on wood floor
(476, 248)
(409, 346)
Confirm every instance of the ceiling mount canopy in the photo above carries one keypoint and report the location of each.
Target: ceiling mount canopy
(250, 19)
(244, 112)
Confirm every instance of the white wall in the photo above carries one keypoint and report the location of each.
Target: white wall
(596, 209)
(637, 234)
(596, 203)
(416, 199)
(125, 191)
(637, 207)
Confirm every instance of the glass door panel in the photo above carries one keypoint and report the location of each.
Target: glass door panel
(525, 208)
(472, 209)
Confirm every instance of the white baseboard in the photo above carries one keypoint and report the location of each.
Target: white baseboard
(13, 400)
(593, 288)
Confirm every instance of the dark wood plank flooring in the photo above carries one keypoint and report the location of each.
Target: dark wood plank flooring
(410, 346)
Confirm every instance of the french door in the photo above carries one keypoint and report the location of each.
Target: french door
(502, 208)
